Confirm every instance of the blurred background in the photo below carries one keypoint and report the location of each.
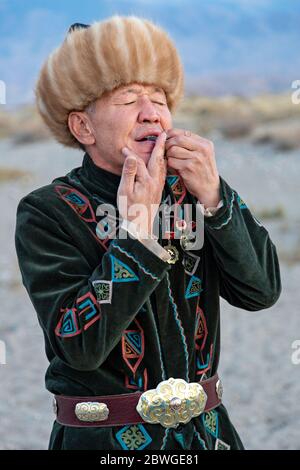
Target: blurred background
(242, 62)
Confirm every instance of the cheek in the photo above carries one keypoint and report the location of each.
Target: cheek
(166, 118)
(124, 125)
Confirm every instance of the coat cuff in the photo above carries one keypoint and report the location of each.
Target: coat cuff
(210, 211)
(149, 241)
(223, 215)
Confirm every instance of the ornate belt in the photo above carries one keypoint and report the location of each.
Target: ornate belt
(174, 401)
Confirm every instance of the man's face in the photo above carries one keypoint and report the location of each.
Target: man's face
(121, 118)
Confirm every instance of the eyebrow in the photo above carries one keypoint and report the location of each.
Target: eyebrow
(138, 90)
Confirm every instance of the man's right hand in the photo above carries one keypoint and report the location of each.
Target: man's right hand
(143, 185)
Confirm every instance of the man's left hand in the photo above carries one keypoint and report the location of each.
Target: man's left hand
(194, 159)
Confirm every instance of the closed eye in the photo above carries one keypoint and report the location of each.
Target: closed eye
(131, 102)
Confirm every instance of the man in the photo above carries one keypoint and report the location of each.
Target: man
(131, 323)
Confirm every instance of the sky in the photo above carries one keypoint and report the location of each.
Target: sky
(226, 46)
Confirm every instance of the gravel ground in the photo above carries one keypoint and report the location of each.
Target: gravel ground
(262, 386)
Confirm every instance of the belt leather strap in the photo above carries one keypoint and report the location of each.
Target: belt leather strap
(122, 408)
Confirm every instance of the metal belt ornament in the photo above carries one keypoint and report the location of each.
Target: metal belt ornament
(91, 411)
(171, 249)
(174, 401)
(183, 230)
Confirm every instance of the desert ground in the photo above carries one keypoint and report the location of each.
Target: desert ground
(258, 155)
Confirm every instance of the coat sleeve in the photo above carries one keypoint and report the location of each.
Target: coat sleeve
(83, 310)
(246, 257)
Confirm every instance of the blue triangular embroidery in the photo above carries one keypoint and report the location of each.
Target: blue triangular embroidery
(68, 326)
(137, 383)
(75, 198)
(188, 293)
(172, 179)
(135, 340)
(241, 203)
(130, 275)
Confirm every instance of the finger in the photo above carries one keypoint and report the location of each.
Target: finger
(129, 170)
(188, 143)
(176, 164)
(156, 162)
(179, 152)
(173, 133)
(176, 132)
(142, 171)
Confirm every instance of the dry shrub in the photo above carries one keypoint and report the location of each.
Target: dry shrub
(10, 174)
(283, 135)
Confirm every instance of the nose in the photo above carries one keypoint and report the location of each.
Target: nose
(148, 111)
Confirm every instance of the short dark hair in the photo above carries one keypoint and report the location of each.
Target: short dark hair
(78, 26)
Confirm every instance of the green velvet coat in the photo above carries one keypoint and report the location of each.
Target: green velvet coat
(117, 319)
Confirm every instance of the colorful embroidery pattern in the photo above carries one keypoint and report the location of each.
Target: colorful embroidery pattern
(241, 203)
(120, 272)
(211, 422)
(201, 329)
(88, 311)
(190, 263)
(177, 186)
(194, 287)
(221, 445)
(87, 306)
(134, 437)
(146, 271)
(77, 201)
(203, 367)
(82, 206)
(68, 325)
(133, 346)
(103, 291)
(139, 383)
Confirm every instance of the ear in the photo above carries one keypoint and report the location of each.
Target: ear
(81, 128)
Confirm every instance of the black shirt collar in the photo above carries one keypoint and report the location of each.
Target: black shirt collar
(98, 180)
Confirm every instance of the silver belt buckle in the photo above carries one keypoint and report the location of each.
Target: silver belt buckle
(174, 401)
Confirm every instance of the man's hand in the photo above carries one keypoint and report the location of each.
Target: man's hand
(194, 159)
(143, 185)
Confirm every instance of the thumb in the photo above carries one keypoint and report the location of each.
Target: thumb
(157, 155)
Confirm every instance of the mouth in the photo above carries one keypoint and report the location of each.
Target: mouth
(151, 138)
(147, 143)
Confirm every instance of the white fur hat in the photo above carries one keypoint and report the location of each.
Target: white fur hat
(99, 58)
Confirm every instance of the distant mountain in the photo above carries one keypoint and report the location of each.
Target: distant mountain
(242, 47)
(227, 46)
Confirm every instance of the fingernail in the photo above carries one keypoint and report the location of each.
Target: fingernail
(130, 162)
